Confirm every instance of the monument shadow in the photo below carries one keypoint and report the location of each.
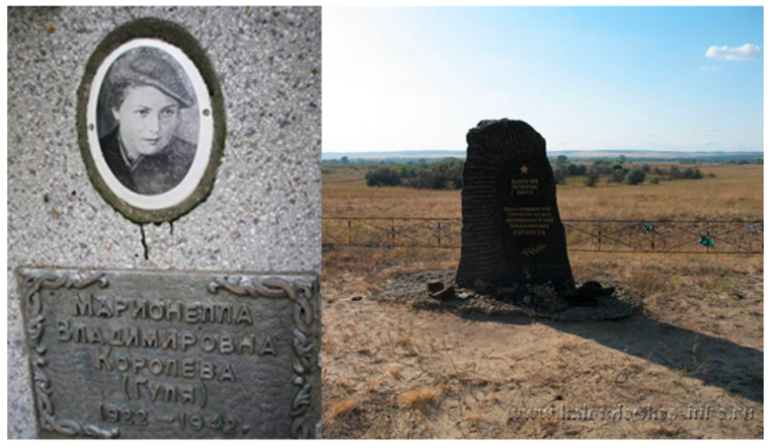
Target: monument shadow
(715, 361)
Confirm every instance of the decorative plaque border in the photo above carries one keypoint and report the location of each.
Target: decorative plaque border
(301, 292)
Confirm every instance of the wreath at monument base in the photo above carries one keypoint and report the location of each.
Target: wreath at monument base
(529, 300)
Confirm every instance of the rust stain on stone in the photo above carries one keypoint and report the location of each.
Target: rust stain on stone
(50, 30)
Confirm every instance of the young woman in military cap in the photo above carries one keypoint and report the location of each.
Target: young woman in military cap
(145, 98)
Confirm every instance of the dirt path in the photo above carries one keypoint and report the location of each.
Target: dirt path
(395, 372)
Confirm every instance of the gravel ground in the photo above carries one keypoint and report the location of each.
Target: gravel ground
(535, 301)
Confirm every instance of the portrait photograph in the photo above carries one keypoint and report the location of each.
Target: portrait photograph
(150, 128)
(147, 120)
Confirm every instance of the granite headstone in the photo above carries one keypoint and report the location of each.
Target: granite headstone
(512, 233)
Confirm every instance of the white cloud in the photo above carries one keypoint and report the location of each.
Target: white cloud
(742, 53)
(710, 68)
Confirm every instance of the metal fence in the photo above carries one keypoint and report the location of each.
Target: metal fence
(583, 235)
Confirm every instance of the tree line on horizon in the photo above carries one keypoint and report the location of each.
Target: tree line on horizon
(447, 174)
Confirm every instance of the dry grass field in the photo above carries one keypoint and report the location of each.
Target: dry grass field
(689, 365)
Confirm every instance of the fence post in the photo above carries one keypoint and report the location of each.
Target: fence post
(349, 232)
(653, 237)
(708, 234)
(600, 236)
(438, 235)
(393, 232)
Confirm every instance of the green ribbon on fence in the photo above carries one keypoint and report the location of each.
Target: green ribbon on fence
(706, 241)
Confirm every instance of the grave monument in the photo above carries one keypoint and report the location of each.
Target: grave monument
(163, 278)
(512, 234)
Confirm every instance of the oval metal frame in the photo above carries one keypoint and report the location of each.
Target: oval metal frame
(176, 36)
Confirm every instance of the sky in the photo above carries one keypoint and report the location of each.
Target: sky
(664, 79)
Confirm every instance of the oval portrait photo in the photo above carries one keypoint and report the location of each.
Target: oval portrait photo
(150, 130)
(147, 119)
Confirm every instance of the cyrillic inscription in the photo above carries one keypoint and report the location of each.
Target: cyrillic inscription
(176, 355)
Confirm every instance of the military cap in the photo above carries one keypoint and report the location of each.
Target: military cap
(146, 65)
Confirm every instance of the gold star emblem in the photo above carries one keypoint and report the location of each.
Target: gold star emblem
(524, 169)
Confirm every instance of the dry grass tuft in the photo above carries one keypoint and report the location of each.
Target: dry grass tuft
(373, 386)
(341, 408)
(394, 371)
(420, 399)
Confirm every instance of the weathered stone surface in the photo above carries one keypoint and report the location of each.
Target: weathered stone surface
(512, 232)
(134, 354)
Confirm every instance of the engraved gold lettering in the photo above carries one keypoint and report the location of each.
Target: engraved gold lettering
(63, 333)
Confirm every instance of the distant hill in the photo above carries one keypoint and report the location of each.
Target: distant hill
(573, 155)
(649, 155)
(388, 155)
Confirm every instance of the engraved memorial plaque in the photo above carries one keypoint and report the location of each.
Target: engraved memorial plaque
(135, 354)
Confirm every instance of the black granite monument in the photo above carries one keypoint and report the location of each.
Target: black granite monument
(512, 233)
